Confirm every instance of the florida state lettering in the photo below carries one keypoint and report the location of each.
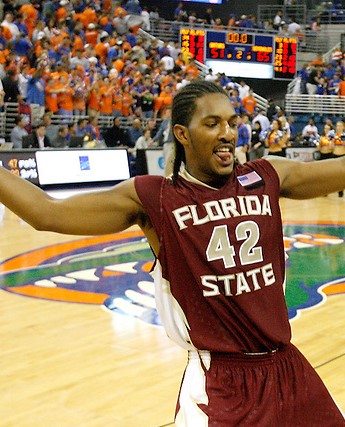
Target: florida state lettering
(221, 209)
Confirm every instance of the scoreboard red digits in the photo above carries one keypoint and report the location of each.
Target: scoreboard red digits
(193, 41)
(285, 57)
(276, 52)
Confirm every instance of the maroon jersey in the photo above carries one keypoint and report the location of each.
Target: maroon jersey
(221, 258)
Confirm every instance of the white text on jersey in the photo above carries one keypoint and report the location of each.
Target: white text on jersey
(220, 209)
(236, 284)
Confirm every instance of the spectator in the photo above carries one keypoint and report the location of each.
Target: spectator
(65, 100)
(38, 138)
(134, 132)
(262, 119)
(192, 18)
(18, 132)
(285, 128)
(294, 29)
(272, 110)
(72, 130)
(30, 15)
(338, 144)
(303, 75)
(277, 20)
(81, 127)
(93, 130)
(313, 79)
(316, 25)
(163, 101)
(133, 7)
(242, 146)
(121, 23)
(329, 71)
(23, 77)
(114, 136)
(243, 89)
(93, 100)
(246, 121)
(168, 62)
(10, 87)
(79, 59)
(106, 97)
(192, 69)
(61, 139)
(322, 86)
(210, 76)
(22, 45)
(36, 94)
(51, 129)
(9, 24)
(51, 96)
(127, 101)
(145, 15)
(79, 83)
(208, 17)
(333, 86)
(236, 101)
(249, 103)
(143, 142)
(325, 143)
(275, 140)
(2, 95)
(154, 17)
(164, 50)
(341, 88)
(293, 134)
(180, 12)
(310, 131)
(257, 146)
(147, 102)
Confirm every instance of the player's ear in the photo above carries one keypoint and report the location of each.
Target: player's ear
(181, 134)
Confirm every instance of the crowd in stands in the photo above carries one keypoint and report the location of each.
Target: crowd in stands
(82, 59)
(320, 78)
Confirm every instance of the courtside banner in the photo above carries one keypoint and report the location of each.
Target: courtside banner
(155, 162)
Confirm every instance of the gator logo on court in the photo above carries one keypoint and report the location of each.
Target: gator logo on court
(114, 271)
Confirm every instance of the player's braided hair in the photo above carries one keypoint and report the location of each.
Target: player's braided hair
(183, 108)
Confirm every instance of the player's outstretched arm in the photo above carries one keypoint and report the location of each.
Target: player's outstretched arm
(91, 213)
(305, 180)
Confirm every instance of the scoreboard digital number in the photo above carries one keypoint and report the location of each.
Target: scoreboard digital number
(278, 52)
(193, 42)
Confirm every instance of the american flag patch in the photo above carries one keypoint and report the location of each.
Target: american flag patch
(249, 179)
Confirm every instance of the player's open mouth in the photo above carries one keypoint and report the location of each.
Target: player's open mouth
(224, 153)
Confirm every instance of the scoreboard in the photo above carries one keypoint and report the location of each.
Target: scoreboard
(253, 55)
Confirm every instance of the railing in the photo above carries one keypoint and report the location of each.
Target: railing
(11, 111)
(267, 12)
(327, 16)
(315, 104)
(261, 102)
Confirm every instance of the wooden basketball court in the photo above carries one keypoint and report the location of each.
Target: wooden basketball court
(65, 364)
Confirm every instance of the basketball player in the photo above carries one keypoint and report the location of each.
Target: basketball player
(216, 231)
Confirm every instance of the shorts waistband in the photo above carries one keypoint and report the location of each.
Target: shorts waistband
(267, 356)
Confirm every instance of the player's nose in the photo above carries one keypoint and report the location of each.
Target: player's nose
(227, 133)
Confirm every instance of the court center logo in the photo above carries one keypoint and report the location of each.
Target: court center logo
(113, 271)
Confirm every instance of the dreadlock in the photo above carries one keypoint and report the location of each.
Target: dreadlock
(183, 109)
